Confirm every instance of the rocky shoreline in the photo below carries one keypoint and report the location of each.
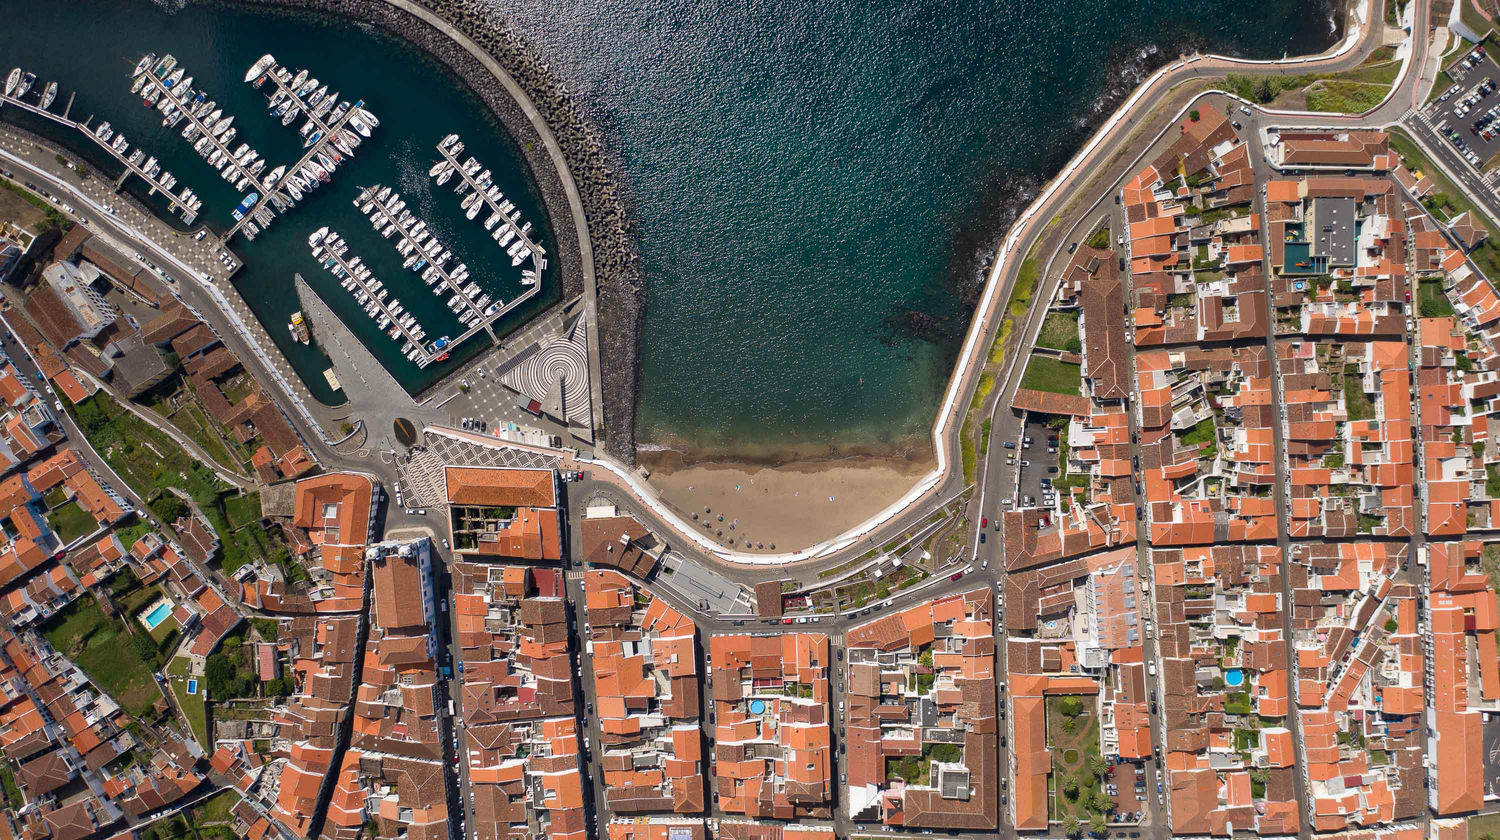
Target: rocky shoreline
(620, 287)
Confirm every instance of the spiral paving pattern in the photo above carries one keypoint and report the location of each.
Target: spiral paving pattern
(563, 360)
(559, 361)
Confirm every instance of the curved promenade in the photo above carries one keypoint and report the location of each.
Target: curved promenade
(1028, 230)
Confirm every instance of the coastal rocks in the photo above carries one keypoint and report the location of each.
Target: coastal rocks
(1002, 198)
(923, 326)
(620, 287)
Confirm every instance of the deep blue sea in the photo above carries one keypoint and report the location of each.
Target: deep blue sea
(807, 175)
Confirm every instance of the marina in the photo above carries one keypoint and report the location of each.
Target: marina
(333, 129)
(426, 255)
(504, 220)
(330, 249)
(218, 45)
(163, 84)
(146, 167)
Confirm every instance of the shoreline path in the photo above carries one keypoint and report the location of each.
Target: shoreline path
(1102, 156)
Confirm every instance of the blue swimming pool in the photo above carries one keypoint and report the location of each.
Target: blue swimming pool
(157, 615)
(192, 687)
(1234, 676)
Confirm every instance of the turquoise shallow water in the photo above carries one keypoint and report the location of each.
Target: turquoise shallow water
(90, 46)
(816, 186)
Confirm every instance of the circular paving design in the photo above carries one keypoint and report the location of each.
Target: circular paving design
(560, 360)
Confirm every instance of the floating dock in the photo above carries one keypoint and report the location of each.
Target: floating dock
(330, 249)
(161, 84)
(184, 202)
(416, 241)
(509, 219)
(327, 140)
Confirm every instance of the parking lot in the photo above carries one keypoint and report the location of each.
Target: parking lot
(1034, 462)
(1130, 796)
(1468, 112)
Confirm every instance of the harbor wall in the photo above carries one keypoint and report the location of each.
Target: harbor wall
(619, 284)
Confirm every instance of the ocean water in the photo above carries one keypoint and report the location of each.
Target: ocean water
(817, 185)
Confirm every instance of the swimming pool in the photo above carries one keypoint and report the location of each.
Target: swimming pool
(1234, 677)
(192, 687)
(157, 615)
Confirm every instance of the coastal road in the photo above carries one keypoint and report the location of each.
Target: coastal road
(1098, 162)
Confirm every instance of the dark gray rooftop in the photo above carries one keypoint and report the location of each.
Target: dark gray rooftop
(1333, 231)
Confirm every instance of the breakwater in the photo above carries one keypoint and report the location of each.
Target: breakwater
(616, 262)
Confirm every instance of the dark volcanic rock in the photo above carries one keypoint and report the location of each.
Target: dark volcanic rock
(620, 286)
(923, 326)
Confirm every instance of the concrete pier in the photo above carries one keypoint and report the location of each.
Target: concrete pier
(180, 203)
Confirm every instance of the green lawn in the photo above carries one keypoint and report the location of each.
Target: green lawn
(167, 627)
(1473, 19)
(1373, 72)
(1263, 89)
(242, 510)
(1356, 402)
(129, 534)
(131, 596)
(1044, 373)
(216, 809)
(1431, 301)
(101, 647)
(1484, 825)
(1202, 433)
(1345, 97)
(196, 425)
(12, 791)
(71, 522)
(1060, 332)
(53, 215)
(191, 704)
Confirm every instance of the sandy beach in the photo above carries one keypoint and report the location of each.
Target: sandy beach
(790, 506)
